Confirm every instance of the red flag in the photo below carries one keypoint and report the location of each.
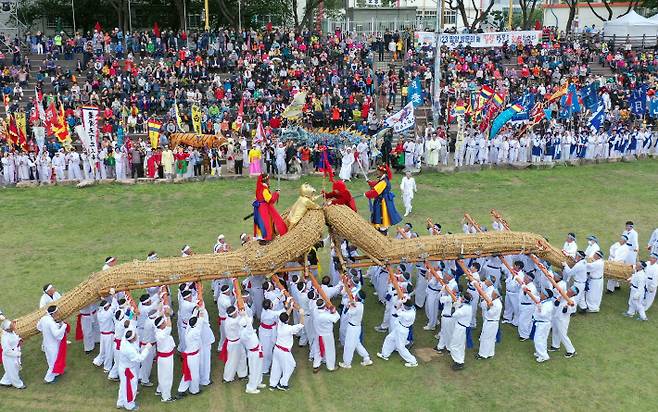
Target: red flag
(12, 131)
(156, 29)
(98, 27)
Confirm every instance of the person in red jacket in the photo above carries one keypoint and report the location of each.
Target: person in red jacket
(267, 221)
(340, 195)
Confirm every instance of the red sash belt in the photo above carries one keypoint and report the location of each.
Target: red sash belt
(79, 334)
(322, 348)
(257, 348)
(60, 362)
(165, 354)
(223, 354)
(282, 348)
(266, 326)
(107, 333)
(130, 396)
(187, 374)
(117, 343)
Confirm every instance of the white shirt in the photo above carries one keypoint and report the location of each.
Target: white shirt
(164, 340)
(285, 332)
(46, 299)
(408, 185)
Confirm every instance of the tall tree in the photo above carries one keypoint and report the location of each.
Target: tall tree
(482, 10)
(609, 15)
(573, 4)
(527, 12)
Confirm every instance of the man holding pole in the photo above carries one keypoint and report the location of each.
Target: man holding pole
(353, 333)
(399, 333)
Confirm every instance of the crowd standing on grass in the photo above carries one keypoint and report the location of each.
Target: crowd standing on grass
(240, 84)
(259, 319)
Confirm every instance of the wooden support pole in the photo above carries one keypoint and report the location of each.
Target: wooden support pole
(476, 283)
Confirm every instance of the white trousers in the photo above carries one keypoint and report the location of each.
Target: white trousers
(165, 376)
(122, 399)
(542, 329)
(90, 331)
(283, 365)
(432, 308)
(594, 295)
(12, 368)
(488, 338)
(560, 330)
(352, 343)
(267, 337)
(236, 362)
(147, 365)
(255, 369)
(205, 360)
(192, 385)
(396, 340)
(445, 334)
(329, 351)
(105, 356)
(525, 320)
(457, 346)
(512, 308)
(636, 306)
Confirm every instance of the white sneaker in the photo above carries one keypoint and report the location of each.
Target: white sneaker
(411, 365)
(252, 391)
(344, 366)
(428, 327)
(380, 356)
(366, 362)
(262, 386)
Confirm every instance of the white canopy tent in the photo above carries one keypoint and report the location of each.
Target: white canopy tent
(632, 25)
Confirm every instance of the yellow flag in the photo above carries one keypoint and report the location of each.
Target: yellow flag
(196, 119)
(20, 122)
(179, 122)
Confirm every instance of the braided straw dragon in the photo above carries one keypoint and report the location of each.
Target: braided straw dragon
(267, 259)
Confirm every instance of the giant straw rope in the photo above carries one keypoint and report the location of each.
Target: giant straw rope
(258, 259)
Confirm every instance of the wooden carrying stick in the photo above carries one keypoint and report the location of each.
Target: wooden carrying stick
(535, 259)
(394, 282)
(504, 261)
(277, 282)
(477, 284)
(199, 293)
(318, 287)
(430, 226)
(343, 275)
(550, 278)
(499, 218)
(239, 301)
(403, 234)
(441, 281)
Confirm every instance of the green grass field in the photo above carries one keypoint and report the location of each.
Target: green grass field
(61, 234)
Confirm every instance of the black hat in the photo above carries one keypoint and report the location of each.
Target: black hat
(186, 293)
(159, 321)
(52, 309)
(599, 253)
(224, 288)
(144, 298)
(581, 254)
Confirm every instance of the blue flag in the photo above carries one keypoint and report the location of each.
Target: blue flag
(527, 102)
(653, 107)
(590, 96)
(504, 117)
(597, 118)
(569, 104)
(415, 93)
(637, 100)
